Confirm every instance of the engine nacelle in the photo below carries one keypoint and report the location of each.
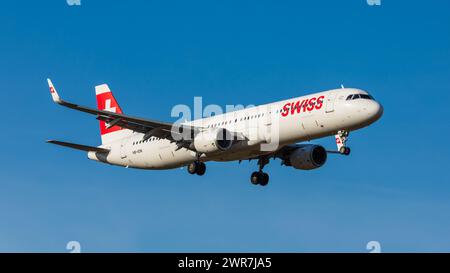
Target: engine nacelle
(308, 157)
(213, 140)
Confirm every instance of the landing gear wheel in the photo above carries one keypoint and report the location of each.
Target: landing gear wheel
(192, 168)
(196, 168)
(344, 150)
(259, 178)
(347, 151)
(201, 168)
(264, 179)
(254, 178)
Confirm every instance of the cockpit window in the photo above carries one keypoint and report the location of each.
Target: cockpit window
(367, 97)
(360, 96)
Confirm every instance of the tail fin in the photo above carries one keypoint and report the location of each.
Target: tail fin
(107, 102)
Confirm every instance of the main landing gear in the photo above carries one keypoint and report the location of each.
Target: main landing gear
(341, 139)
(197, 167)
(260, 178)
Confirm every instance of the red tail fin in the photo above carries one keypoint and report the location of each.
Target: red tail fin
(107, 102)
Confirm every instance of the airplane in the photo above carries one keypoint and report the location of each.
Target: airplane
(280, 127)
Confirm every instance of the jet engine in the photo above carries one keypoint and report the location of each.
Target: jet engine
(307, 157)
(213, 140)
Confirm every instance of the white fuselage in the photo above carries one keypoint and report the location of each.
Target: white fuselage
(274, 125)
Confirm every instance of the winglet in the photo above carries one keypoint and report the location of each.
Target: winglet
(53, 92)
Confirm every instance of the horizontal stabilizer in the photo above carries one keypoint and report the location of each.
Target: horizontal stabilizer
(78, 146)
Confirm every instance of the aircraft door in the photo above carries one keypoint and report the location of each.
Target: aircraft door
(269, 131)
(330, 102)
(267, 125)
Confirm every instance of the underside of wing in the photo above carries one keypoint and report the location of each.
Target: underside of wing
(78, 146)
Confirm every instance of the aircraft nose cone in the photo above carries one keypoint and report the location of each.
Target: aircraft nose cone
(375, 110)
(379, 110)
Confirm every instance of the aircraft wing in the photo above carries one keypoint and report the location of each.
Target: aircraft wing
(146, 126)
(78, 146)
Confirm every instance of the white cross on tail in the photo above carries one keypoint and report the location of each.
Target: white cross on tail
(108, 106)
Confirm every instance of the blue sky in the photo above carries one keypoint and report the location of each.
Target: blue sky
(394, 188)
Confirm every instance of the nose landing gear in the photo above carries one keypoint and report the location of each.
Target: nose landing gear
(341, 139)
(344, 150)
